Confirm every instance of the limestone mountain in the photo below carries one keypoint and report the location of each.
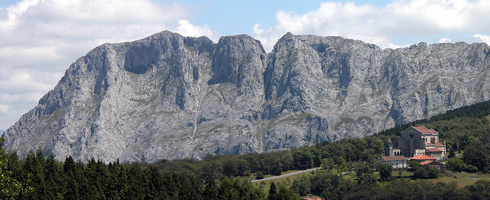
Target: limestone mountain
(169, 96)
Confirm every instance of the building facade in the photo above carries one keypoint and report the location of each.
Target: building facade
(397, 162)
(418, 140)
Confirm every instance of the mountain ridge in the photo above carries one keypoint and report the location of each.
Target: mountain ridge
(168, 96)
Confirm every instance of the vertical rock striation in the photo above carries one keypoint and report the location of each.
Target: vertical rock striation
(169, 96)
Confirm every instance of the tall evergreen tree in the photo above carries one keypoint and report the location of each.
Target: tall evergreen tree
(273, 192)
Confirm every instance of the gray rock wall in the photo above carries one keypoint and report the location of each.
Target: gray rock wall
(169, 96)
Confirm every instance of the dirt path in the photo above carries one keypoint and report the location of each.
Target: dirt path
(286, 175)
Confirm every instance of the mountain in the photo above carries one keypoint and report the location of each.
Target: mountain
(168, 96)
(1, 132)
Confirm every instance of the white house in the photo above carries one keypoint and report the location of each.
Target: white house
(397, 162)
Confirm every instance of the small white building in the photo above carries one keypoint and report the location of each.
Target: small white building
(397, 162)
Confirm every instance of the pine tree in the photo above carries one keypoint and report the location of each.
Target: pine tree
(72, 190)
(273, 192)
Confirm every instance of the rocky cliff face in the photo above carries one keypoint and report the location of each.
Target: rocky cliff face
(169, 96)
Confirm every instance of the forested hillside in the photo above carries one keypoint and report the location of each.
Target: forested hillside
(466, 130)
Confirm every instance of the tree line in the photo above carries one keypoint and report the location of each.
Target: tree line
(45, 178)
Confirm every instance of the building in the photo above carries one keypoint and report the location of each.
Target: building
(418, 140)
(423, 158)
(435, 164)
(389, 151)
(312, 198)
(396, 162)
(428, 160)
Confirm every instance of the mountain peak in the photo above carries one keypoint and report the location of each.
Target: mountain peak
(168, 96)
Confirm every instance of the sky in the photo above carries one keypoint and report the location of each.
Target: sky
(39, 39)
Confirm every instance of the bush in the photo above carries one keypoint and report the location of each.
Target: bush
(260, 175)
(302, 186)
(455, 164)
(425, 172)
(471, 169)
(385, 171)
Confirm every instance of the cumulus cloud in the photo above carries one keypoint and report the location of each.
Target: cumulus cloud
(187, 29)
(444, 40)
(40, 39)
(387, 26)
(483, 38)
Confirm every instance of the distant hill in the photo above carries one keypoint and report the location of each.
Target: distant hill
(457, 127)
(475, 111)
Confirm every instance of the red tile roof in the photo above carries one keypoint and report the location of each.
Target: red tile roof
(424, 130)
(393, 158)
(426, 162)
(433, 150)
(439, 144)
(422, 157)
(431, 163)
(312, 198)
(434, 132)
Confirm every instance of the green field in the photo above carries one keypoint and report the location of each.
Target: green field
(461, 179)
(286, 181)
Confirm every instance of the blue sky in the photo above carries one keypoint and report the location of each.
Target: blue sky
(39, 39)
(237, 16)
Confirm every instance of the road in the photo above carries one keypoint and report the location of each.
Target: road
(286, 175)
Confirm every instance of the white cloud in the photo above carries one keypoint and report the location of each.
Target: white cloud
(402, 20)
(187, 29)
(483, 38)
(444, 40)
(4, 108)
(41, 38)
(24, 80)
(25, 97)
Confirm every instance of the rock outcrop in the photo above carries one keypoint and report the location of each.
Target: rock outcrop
(169, 96)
